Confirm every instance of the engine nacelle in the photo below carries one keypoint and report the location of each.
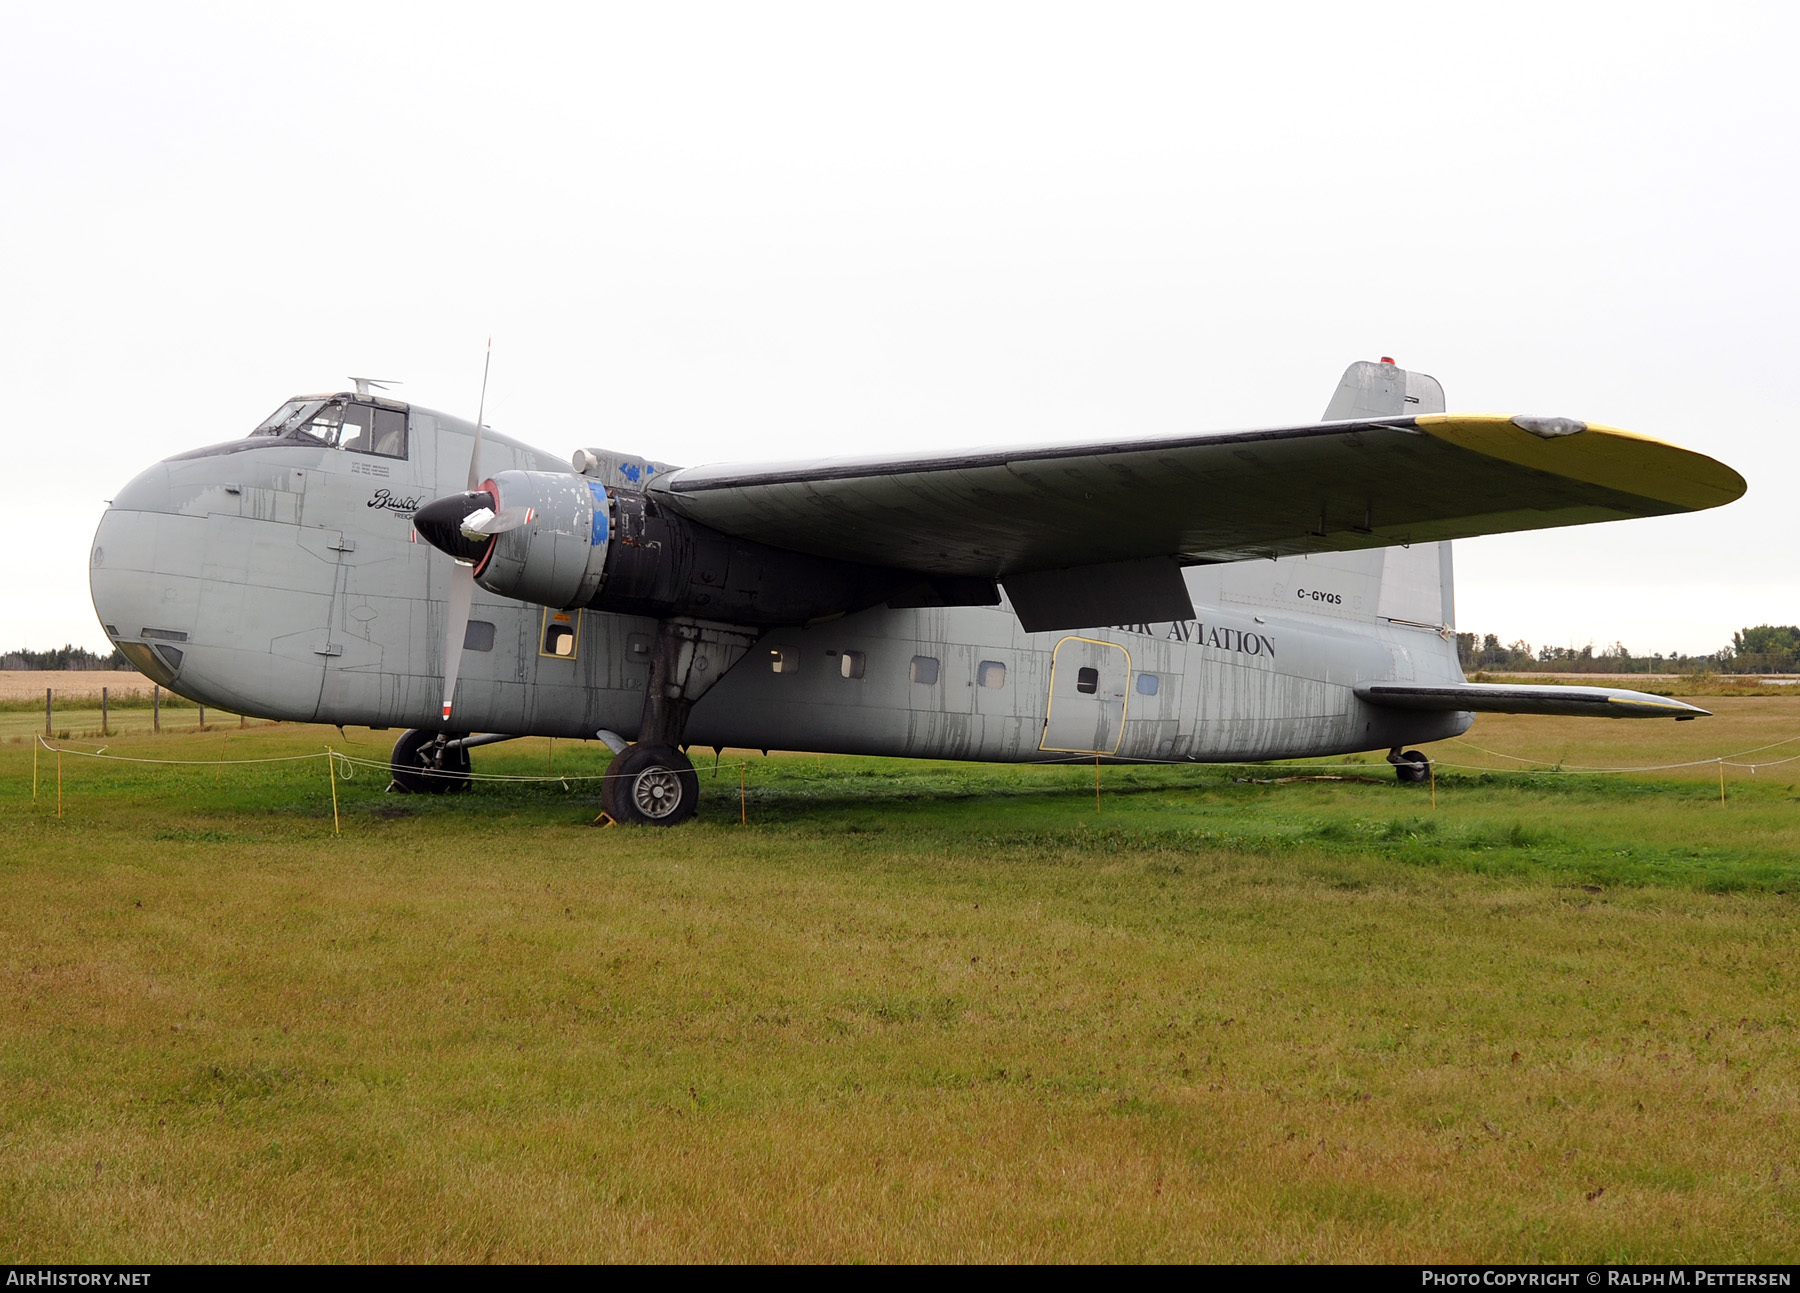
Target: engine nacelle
(558, 557)
(568, 541)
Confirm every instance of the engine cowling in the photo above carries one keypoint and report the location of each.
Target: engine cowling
(557, 557)
(583, 544)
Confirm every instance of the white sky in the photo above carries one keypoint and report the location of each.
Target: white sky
(752, 231)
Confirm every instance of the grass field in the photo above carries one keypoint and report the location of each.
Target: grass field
(910, 1011)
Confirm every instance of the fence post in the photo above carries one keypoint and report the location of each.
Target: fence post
(155, 707)
(49, 731)
(203, 718)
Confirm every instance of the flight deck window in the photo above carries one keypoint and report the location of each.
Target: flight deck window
(322, 425)
(1087, 680)
(924, 669)
(367, 429)
(284, 419)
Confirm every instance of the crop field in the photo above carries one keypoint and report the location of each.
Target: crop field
(871, 1009)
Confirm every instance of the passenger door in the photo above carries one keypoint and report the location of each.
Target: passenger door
(1089, 683)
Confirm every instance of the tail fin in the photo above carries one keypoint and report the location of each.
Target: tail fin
(1417, 583)
(1404, 585)
(1383, 390)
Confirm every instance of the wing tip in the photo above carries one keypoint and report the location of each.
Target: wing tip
(1599, 454)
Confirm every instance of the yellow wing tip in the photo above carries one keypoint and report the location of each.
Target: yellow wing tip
(1610, 456)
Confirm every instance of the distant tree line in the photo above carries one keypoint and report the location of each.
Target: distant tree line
(68, 657)
(1767, 648)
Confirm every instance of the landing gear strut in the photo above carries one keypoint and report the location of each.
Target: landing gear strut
(425, 763)
(652, 783)
(1410, 766)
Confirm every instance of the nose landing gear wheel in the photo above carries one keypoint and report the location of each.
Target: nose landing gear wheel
(421, 767)
(651, 785)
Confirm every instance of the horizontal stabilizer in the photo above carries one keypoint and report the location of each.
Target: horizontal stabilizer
(1500, 698)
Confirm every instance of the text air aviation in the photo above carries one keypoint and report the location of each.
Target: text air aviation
(1264, 594)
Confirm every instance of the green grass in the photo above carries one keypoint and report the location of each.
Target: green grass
(911, 1011)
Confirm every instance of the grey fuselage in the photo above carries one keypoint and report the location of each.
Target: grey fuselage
(282, 580)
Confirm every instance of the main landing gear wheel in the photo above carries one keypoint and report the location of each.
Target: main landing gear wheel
(651, 785)
(421, 766)
(1411, 767)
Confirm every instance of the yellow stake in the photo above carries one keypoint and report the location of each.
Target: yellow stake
(331, 771)
(34, 747)
(59, 783)
(549, 754)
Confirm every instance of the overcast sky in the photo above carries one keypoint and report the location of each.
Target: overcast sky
(752, 231)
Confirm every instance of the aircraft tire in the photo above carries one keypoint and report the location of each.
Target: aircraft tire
(415, 776)
(651, 785)
(1414, 767)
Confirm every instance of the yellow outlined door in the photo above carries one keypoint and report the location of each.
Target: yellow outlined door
(1089, 684)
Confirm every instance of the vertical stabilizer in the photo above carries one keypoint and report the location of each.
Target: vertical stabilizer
(1417, 583)
(1383, 390)
(1410, 585)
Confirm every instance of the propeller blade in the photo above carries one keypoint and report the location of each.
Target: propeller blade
(438, 517)
(507, 518)
(456, 628)
(480, 412)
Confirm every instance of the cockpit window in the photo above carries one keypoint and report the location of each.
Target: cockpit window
(367, 429)
(340, 424)
(284, 419)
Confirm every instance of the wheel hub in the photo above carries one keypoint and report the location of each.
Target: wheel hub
(657, 792)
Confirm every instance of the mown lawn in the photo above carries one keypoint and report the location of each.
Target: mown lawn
(909, 1012)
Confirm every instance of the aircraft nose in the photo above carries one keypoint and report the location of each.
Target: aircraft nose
(143, 575)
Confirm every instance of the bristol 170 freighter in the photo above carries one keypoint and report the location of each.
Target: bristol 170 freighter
(1239, 596)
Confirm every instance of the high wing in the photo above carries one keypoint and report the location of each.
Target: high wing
(1130, 511)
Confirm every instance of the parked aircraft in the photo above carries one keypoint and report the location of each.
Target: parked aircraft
(1273, 593)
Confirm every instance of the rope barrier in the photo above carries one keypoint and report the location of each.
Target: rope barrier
(1727, 759)
(194, 763)
(343, 766)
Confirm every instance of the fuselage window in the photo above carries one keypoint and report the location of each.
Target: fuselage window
(852, 664)
(560, 634)
(784, 660)
(1087, 680)
(478, 636)
(990, 674)
(924, 669)
(1147, 684)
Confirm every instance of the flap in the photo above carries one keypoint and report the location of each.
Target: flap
(1123, 591)
(1320, 487)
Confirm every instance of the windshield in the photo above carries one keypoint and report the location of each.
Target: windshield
(286, 418)
(340, 424)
